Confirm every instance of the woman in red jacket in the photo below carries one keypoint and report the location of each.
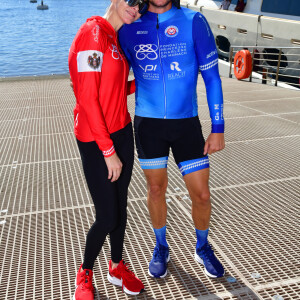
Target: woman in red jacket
(102, 126)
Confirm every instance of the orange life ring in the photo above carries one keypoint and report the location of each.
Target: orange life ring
(242, 64)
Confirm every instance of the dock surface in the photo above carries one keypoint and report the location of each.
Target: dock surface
(46, 210)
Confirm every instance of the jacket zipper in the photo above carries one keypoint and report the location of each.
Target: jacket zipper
(162, 70)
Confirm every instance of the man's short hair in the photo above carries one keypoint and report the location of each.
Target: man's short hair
(176, 3)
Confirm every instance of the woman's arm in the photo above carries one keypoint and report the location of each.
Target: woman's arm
(131, 87)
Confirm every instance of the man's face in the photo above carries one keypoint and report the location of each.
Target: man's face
(159, 3)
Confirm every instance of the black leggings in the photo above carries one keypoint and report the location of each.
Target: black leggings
(110, 198)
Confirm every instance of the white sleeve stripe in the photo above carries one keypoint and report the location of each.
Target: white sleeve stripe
(109, 151)
(209, 65)
(89, 61)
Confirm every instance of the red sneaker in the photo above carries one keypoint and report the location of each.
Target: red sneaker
(84, 286)
(125, 278)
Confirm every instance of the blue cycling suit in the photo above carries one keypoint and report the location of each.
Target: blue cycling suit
(166, 52)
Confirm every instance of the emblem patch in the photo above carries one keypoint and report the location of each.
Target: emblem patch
(94, 61)
(89, 61)
(171, 31)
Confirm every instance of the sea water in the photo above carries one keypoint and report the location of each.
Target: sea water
(37, 42)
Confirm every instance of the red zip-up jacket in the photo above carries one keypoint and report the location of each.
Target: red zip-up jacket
(99, 72)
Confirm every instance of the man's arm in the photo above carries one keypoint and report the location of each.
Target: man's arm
(207, 57)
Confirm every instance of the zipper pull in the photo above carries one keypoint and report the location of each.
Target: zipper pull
(157, 25)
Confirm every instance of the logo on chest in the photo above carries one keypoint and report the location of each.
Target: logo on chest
(171, 31)
(115, 52)
(142, 32)
(148, 51)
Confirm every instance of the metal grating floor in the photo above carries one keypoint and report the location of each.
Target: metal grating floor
(45, 208)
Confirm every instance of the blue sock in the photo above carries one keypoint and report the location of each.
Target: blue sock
(161, 236)
(201, 237)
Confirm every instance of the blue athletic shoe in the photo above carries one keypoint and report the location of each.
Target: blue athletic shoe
(159, 262)
(205, 256)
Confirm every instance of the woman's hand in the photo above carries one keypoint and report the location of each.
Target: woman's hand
(114, 167)
(71, 85)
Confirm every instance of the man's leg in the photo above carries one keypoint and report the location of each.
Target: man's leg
(153, 151)
(157, 181)
(197, 185)
(188, 151)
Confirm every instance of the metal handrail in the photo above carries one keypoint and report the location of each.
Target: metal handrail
(263, 47)
(266, 68)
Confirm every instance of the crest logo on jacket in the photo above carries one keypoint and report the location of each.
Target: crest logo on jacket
(171, 31)
(94, 61)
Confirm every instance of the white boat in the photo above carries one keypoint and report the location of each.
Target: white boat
(268, 24)
(271, 8)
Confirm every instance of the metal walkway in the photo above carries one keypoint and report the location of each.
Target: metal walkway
(45, 208)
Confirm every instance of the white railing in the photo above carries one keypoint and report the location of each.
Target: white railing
(272, 66)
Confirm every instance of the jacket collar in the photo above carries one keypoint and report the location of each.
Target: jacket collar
(150, 16)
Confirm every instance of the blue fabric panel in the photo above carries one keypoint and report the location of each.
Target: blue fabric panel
(193, 165)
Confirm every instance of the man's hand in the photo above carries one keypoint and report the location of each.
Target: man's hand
(114, 166)
(215, 142)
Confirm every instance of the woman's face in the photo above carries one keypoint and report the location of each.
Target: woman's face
(126, 13)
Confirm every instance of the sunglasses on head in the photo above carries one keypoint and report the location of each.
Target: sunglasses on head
(143, 6)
